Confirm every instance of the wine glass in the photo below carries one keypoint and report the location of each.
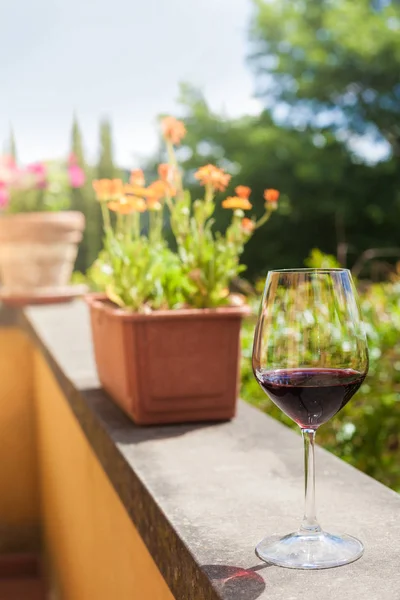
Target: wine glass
(310, 356)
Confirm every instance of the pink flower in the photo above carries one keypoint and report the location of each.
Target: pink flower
(4, 195)
(39, 171)
(37, 168)
(76, 175)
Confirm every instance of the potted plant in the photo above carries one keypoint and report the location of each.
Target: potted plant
(38, 236)
(167, 333)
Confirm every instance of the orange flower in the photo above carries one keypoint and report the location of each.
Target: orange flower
(212, 175)
(99, 189)
(108, 189)
(134, 190)
(248, 226)
(159, 189)
(154, 204)
(137, 177)
(271, 195)
(137, 204)
(116, 188)
(243, 191)
(173, 130)
(126, 206)
(236, 203)
(164, 171)
(122, 206)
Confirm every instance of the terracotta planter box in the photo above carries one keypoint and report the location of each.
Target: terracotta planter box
(169, 366)
(38, 250)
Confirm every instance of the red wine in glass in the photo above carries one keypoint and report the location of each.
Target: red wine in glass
(310, 396)
(310, 356)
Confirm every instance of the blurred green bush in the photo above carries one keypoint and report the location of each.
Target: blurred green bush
(366, 433)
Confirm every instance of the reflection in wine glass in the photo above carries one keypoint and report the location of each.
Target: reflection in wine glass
(310, 356)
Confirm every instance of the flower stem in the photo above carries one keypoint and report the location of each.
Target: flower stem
(151, 226)
(120, 224)
(209, 195)
(136, 225)
(128, 228)
(172, 160)
(263, 219)
(106, 218)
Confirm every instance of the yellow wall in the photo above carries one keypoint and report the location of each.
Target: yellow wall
(95, 551)
(19, 508)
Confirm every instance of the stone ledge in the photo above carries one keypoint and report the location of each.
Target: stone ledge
(203, 496)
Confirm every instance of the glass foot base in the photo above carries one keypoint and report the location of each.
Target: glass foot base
(303, 550)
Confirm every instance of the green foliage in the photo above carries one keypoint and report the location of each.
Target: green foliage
(120, 271)
(319, 260)
(331, 62)
(55, 195)
(30, 200)
(210, 261)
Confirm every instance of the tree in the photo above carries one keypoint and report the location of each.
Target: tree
(83, 200)
(76, 142)
(12, 147)
(332, 63)
(105, 166)
(332, 66)
(105, 169)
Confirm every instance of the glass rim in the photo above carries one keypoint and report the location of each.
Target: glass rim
(311, 270)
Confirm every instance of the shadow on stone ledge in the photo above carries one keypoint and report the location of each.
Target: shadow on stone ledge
(124, 431)
(235, 583)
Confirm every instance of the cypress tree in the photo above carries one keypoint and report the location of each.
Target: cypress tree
(83, 200)
(76, 142)
(12, 147)
(105, 167)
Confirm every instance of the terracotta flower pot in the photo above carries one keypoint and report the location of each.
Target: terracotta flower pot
(38, 250)
(169, 366)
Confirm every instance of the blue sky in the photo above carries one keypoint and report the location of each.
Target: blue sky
(117, 58)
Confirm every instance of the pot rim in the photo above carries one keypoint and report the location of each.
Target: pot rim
(43, 215)
(99, 302)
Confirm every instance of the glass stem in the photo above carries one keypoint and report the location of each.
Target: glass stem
(310, 523)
